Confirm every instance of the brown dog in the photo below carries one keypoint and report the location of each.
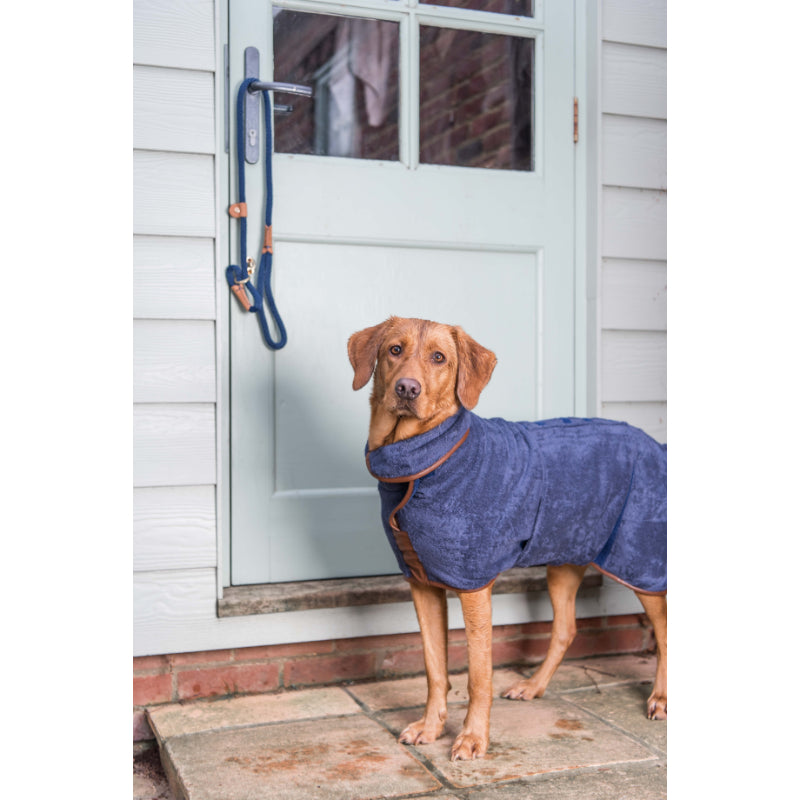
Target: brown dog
(424, 372)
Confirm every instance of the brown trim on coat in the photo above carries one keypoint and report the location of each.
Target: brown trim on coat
(626, 584)
(424, 472)
(401, 538)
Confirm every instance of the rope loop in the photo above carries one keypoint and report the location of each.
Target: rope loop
(239, 276)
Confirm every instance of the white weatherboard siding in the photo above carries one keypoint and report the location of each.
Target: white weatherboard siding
(632, 350)
(180, 358)
(175, 371)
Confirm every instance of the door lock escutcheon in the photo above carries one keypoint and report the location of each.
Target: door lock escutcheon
(252, 103)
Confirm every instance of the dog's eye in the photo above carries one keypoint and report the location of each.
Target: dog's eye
(395, 349)
(438, 357)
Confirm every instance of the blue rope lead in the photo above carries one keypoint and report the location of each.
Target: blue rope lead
(240, 276)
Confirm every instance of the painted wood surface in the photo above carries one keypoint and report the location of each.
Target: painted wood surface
(642, 22)
(650, 417)
(174, 33)
(174, 304)
(174, 444)
(174, 527)
(173, 110)
(475, 247)
(634, 80)
(634, 223)
(633, 299)
(173, 278)
(173, 194)
(634, 295)
(174, 361)
(634, 366)
(634, 152)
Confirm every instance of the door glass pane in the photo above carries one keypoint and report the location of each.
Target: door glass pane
(520, 8)
(352, 65)
(476, 99)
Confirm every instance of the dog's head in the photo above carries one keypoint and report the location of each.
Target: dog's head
(422, 370)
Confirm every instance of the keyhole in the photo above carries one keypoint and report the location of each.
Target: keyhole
(252, 133)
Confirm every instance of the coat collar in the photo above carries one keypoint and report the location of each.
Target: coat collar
(419, 455)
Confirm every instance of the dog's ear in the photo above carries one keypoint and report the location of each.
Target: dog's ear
(475, 367)
(362, 348)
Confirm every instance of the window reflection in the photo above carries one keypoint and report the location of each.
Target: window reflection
(520, 8)
(353, 66)
(476, 99)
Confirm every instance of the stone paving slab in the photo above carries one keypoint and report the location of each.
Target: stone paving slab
(624, 707)
(344, 758)
(178, 719)
(587, 738)
(590, 673)
(528, 738)
(406, 692)
(647, 781)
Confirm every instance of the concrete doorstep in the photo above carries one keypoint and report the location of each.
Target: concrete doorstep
(588, 737)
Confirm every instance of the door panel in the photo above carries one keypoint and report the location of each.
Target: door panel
(357, 240)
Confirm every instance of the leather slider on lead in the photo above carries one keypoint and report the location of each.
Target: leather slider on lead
(267, 239)
(241, 295)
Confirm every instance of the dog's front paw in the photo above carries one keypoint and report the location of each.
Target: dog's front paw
(421, 732)
(524, 690)
(657, 706)
(468, 746)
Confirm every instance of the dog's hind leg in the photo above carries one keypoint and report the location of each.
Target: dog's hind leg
(562, 585)
(655, 606)
(430, 603)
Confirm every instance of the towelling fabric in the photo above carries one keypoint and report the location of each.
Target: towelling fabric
(474, 497)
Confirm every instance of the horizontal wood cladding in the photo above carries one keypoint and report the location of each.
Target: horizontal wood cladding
(173, 278)
(173, 194)
(634, 80)
(173, 610)
(634, 295)
(633, 273)
(173, 110)
(174, 33)
(174, 307)
(174, 527)
(633, 366)
(174, 361)
(650, 417)
(174, 444)
(634, 223)
(634, 152)
(642, 22)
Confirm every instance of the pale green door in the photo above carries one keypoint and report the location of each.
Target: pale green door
(431, 176)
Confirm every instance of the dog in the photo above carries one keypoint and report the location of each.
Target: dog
(464, 498)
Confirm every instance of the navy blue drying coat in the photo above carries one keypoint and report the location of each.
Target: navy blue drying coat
(473, 497)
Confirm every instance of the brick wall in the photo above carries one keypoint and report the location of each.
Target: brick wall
(252, 670)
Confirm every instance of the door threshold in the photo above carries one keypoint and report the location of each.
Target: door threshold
(273, 598)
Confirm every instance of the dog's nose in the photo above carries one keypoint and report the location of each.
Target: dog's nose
(407, 388)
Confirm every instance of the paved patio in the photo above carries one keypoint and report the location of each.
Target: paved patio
(588, 737)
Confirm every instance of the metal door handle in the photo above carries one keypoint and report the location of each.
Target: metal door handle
(252, 102)
(270, 86)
